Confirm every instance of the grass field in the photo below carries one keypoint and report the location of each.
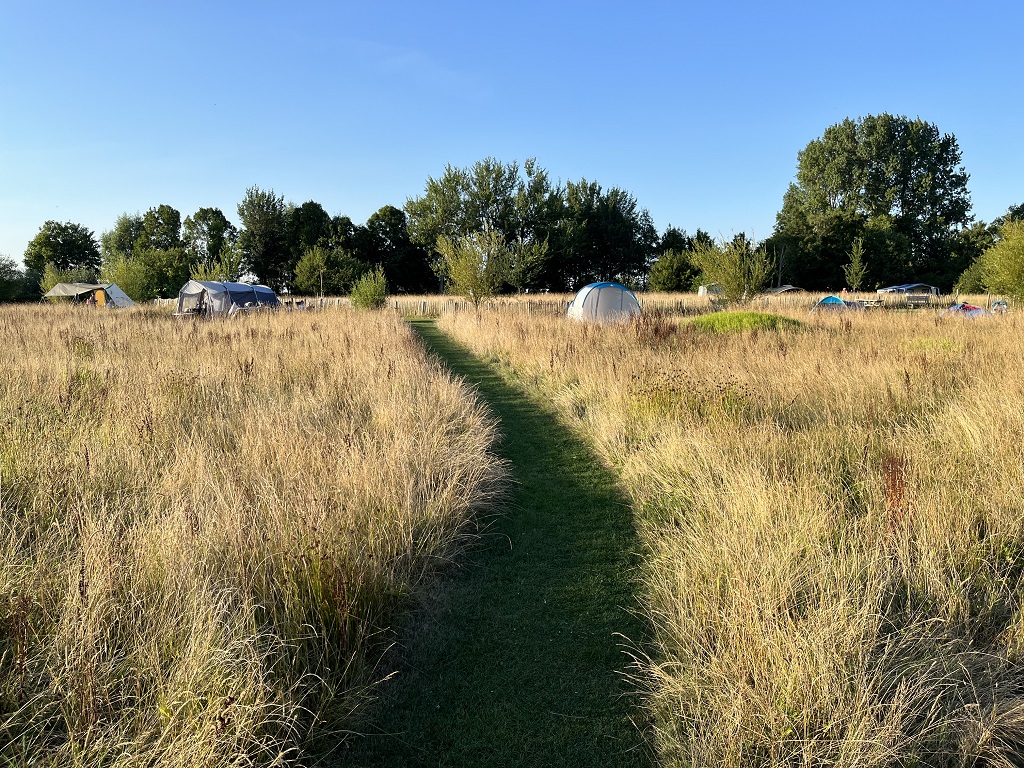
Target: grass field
(519, 659)
(205, 528)
(832, 525)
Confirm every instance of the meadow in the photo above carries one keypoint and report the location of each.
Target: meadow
(206, 528)
(831, 523)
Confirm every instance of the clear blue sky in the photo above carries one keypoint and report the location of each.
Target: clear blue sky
(698, 109)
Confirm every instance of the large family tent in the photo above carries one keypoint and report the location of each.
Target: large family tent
(100, 294)
(206, 297)
(604, 302)
(965, 310)
(906, 288)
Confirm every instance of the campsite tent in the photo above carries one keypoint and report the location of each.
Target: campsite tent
(709, 290)
(964, 309)
(911, 288)
(104, 294)
(604, 302)
(832, 304)
(206, 297)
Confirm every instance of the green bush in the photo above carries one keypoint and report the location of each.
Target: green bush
(370, 291)
(1003, 263)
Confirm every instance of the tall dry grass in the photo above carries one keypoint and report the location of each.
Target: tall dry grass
(206, 528)
(832, 522)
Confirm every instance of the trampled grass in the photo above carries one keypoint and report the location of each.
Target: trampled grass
(205, 528)
(832, 523)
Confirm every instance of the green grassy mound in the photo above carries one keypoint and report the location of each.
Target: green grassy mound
(736, 322)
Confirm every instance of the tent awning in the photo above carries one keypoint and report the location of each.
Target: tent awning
(71, 290)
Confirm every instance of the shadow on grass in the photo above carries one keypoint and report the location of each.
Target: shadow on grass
(517, 657)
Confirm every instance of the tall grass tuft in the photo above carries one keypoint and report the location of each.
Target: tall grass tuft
(206, 528)
(832, 523)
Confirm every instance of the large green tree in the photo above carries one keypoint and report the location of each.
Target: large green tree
(607, 236)
(308, 225)
(205, 234)
(675, 269)
(264, 237)
(386, 242)
(464, 201)
(893, 181)
(120, 241)
(12, 280)
(161, 229)
(1002, 265)
(67, 246)
(324, 271)
(517, 203)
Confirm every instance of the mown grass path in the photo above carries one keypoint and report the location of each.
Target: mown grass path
(518, 658)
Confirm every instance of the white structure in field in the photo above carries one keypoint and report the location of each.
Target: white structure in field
(604, 302)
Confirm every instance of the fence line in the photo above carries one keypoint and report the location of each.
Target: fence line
(555, 304)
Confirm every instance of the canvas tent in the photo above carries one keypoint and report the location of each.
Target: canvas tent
(604, 302)
(206, 297)
(104, 294)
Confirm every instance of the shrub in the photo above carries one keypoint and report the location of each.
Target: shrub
(371, 290)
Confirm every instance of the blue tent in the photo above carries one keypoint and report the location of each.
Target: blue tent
(831, 304)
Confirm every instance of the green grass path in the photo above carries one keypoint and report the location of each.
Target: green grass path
(517, 659)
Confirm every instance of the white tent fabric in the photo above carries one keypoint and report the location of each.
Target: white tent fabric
(206, 297)
(604, 302)
(117, 297)
(71, 290)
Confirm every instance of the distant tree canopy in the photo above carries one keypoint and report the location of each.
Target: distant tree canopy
(1000, 269)
(264, 237)
(13, 285)
(558, 238)
(896, 184)
(877, 201)
(66, 246)
(206, 234)
(675, 269)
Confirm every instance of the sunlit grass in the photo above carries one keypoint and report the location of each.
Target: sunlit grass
(207, 527)
(832, 524)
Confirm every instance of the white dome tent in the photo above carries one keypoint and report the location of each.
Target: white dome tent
(604, 302)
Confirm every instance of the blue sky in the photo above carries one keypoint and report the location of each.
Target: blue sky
(698, 109)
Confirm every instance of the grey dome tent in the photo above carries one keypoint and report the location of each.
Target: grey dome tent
(207, 298)
(604, 302)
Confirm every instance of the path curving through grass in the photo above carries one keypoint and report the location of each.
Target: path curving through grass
(518, 657)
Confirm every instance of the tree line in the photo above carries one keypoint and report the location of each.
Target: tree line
(876, 201)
